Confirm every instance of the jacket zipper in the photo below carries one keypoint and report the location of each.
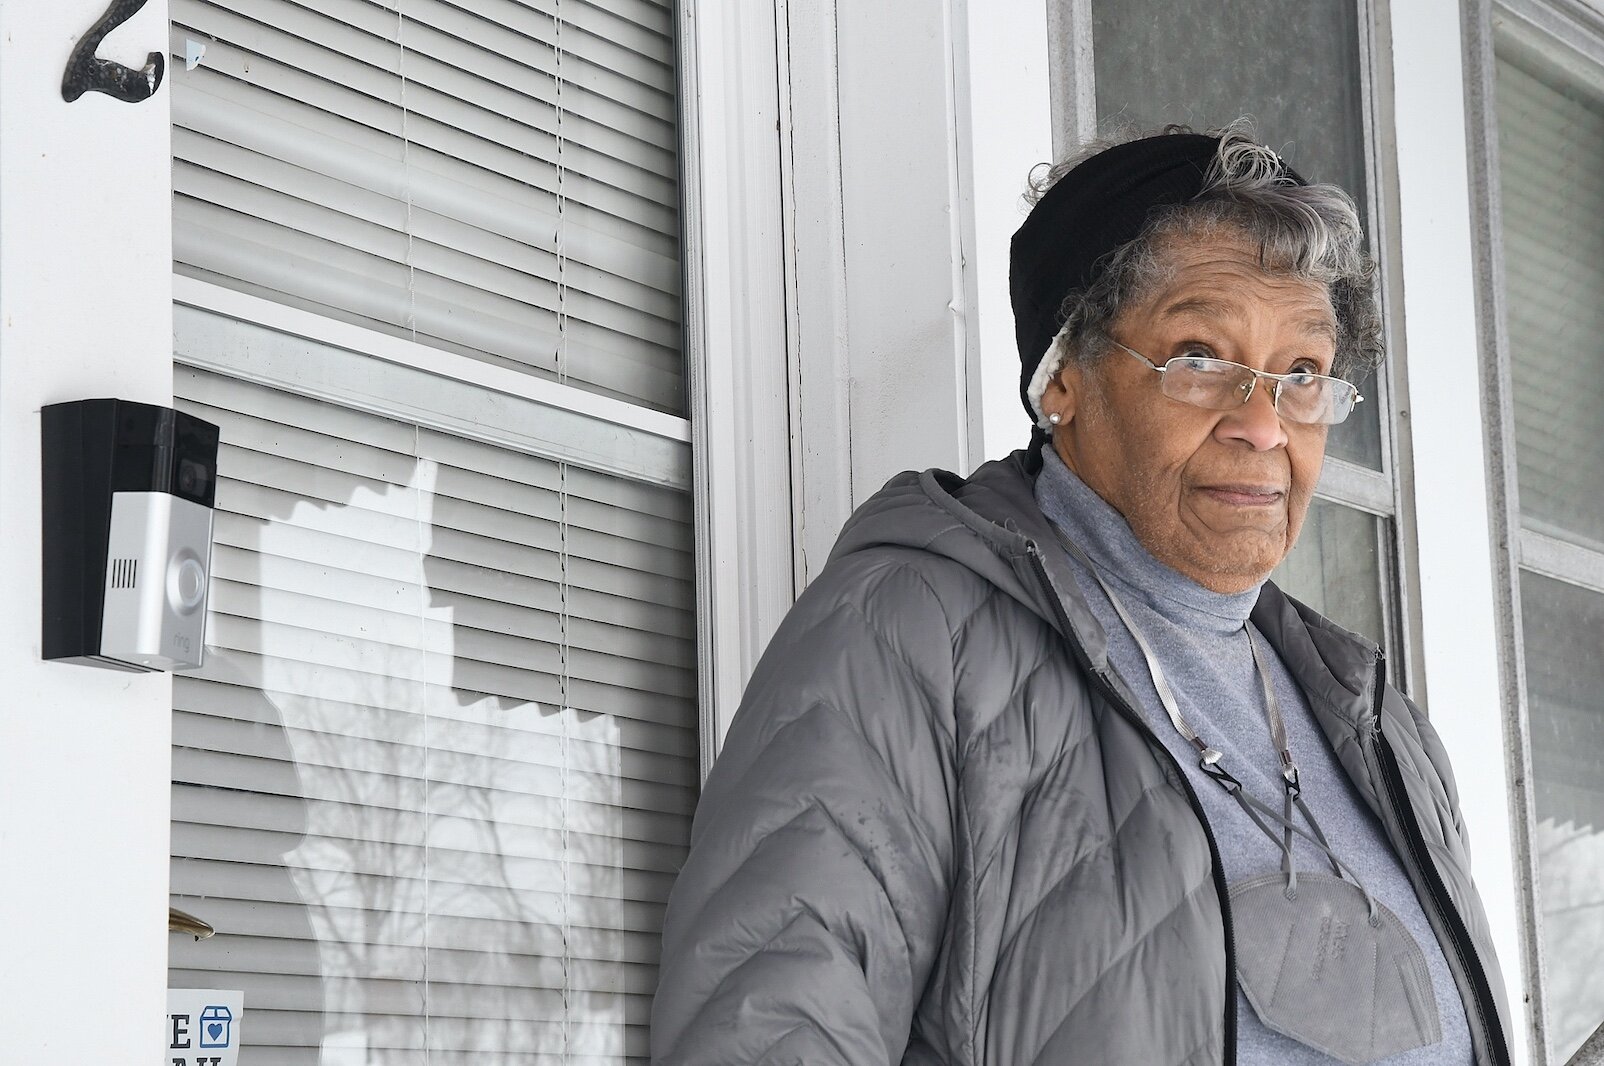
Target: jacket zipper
(1130, 714)
(1464, 957)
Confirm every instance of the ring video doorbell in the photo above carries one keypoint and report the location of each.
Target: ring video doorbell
(128, 493)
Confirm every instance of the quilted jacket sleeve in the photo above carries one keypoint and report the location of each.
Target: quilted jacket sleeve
(808, 915)
(1437, 757)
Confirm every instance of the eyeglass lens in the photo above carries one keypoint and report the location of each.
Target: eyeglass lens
(1221, 385)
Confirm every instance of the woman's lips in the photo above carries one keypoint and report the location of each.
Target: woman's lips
(1244, 495)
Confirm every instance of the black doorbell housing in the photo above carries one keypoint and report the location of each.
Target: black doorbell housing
(128, 491)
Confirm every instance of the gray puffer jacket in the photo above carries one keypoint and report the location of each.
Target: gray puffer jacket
(938, 832)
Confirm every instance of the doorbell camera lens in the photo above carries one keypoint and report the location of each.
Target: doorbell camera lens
(192, 478)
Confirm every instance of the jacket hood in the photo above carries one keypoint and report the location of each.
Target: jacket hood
(990, 524)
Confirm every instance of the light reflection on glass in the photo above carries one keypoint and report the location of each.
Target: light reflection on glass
(436, 873)
(1335, 568)
(1563, 632)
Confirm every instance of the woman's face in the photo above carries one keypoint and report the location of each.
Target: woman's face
(1217, 495)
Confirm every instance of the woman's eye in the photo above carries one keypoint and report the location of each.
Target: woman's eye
(1195, 358)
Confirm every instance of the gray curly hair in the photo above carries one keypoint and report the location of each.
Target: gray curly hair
(1305, 231)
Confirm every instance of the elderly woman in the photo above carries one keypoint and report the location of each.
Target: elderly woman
(1041, 768)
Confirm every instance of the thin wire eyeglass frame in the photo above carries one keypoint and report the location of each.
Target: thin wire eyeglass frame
(1327, 382)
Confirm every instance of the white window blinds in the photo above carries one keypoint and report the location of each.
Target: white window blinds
(435, 780)
(499, 182)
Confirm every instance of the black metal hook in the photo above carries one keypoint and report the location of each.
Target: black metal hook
(88, 73)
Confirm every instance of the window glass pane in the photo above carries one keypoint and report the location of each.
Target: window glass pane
(437, 775)
(1336, 568)
(1563, 631)
(496, 179)
(1359, 438)
(1292, 65)
(1551, 158)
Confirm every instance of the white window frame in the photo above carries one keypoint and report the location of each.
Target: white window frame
(439, 389)
(431, 387)
(1572, 32)
(736, 343)
(1454, 520)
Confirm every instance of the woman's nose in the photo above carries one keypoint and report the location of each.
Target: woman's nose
(1256, 422)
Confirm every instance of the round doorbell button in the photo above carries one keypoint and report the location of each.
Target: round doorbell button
(186, 584)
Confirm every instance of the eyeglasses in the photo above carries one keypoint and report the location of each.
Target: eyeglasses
(1220, 385)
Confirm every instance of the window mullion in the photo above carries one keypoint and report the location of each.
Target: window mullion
(1561, 559)
(1356, 486)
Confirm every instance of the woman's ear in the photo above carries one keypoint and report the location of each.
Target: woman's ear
(1061, 397)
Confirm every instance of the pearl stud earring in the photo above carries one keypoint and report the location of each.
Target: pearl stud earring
(1055, 418)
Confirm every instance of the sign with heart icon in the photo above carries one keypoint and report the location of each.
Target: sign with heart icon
(203, 1027)
(216, 1021)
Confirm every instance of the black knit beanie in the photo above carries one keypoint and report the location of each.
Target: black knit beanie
(1089, 213)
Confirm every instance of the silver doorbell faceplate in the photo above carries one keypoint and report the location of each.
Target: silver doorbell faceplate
(158, 560)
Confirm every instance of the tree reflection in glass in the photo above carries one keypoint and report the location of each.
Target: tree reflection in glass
(479, 849)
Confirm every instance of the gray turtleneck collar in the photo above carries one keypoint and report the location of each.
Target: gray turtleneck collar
(1103, 534)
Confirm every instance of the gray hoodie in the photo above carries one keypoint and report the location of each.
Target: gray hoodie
(940, 831)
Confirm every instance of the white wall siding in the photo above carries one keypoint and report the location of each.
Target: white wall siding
(85, 310)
